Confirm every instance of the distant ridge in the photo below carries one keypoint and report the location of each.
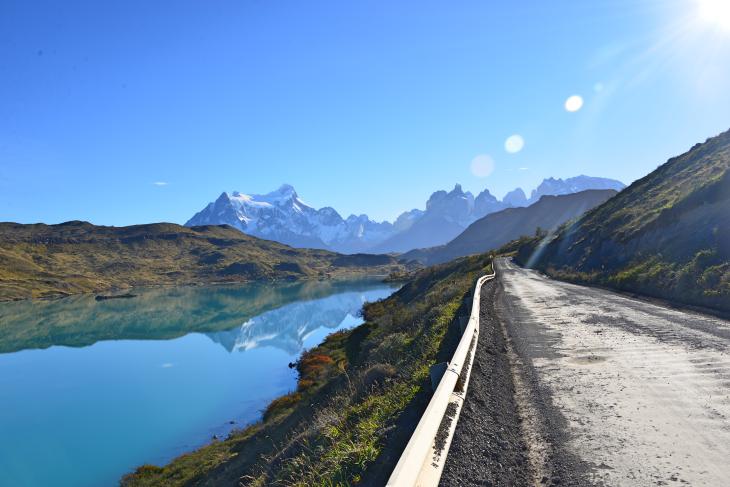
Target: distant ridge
(497, 229)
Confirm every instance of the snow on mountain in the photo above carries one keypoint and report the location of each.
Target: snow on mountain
(282, 216)
(407, 219)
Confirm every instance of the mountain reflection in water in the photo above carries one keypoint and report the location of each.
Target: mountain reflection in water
(238, 317)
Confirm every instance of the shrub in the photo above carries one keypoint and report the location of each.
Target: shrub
(281, 404)
(311, 366)
(147, 470)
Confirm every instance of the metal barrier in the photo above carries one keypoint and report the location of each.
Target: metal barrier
(423, 459)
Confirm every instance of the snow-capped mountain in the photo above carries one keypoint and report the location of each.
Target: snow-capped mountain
(282, 216)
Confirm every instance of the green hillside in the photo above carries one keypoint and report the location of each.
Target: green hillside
(667, 235)
(75, 257)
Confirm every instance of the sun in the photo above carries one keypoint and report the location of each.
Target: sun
(715, 11)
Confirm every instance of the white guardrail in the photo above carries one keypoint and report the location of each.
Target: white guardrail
(423, 459)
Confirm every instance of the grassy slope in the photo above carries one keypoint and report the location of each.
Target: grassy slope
(75, 257)
(667, 235)
(352, 390)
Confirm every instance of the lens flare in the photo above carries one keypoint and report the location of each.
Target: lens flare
(574, 103)
(514, 143)
(482, 166)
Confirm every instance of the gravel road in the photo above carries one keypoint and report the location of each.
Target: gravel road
(591, 387)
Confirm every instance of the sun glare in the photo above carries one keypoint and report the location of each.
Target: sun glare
(715, 11)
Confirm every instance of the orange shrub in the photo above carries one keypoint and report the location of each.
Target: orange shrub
(280, 404)
(310, 366)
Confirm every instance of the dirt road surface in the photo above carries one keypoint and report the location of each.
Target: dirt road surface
(606, 390)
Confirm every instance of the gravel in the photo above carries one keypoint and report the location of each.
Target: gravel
(488, 447)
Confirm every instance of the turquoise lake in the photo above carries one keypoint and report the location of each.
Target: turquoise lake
(91, 389)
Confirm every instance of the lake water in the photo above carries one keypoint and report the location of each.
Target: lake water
(89, 390)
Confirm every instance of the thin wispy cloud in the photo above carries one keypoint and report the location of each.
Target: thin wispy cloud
(160, 183)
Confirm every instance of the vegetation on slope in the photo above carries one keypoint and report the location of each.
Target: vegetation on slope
(667, 235)
(339, 426)
(75, 257)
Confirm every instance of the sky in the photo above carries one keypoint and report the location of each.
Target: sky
(127, 112)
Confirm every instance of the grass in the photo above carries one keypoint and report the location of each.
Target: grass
(352, 390)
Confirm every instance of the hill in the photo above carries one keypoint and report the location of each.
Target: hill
(74, 257)
(667, 235)
(496, 229)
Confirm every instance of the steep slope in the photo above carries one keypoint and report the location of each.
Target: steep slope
(666, 235)
(496, 229)
(73, 257)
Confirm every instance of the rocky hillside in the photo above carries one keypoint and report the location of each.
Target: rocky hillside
(74, 257)
(497, 229)
(667, 235)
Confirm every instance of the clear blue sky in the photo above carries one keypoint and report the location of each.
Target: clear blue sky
(364, 106)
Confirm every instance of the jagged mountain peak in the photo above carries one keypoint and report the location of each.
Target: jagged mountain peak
(281, 215)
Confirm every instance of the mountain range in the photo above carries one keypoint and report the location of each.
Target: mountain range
(499, 228)
(282, 216)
